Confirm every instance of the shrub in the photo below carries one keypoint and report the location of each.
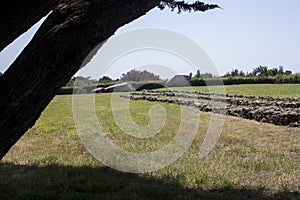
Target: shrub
(148, 85)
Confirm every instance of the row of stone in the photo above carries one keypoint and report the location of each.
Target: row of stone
(237, 101)
(269, 114)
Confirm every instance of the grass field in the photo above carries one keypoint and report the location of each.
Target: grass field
(250, 161)
(276, 90)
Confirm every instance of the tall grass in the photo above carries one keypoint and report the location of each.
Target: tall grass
(250, 161)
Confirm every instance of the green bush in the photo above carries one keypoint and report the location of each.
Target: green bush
(148, 85)
(283, 78)
(237, 80)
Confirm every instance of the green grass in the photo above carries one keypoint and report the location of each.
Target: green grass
(276, 90)
(250, 161)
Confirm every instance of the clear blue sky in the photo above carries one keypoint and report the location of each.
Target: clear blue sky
(243, 35)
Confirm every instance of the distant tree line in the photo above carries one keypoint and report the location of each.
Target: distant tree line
(79, 81)
(259, 71)
(148, 80)
(140, 80)
(259, 75)
(201, 75)
(132, 75)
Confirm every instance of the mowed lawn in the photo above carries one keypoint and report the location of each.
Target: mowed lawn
(251, 160)
(275, 90)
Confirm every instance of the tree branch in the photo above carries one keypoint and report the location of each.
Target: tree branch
(186, 7)
(17, 16)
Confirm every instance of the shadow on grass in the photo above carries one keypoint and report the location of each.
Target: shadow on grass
(68, 182)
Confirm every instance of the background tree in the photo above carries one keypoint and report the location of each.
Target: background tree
(235, 72)
(259, 71)
(80, 81)
(105, 80)
(138, 76)
(198, 74)
(203, 75)
(272, 72)
(49, 61)
(280, 70)
(288, 72)
(241, 73)
(207, 75)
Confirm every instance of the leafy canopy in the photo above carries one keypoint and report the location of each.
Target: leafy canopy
(186, 7)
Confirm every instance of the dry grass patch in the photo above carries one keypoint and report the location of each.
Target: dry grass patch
(250, 161)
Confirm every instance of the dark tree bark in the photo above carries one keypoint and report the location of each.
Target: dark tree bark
(17, 16)
(55, 53)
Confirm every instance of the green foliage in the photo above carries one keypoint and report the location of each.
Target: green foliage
(259, 71)
(236, 80)
(284, 78)
(198, 74)
(201, 75)
(105, 80)
(80, 81)
(186, 7)
(148, 85)
(205, 81)
(135, 75)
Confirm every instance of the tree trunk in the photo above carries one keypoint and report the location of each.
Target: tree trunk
(54, 55)
(17, 16)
